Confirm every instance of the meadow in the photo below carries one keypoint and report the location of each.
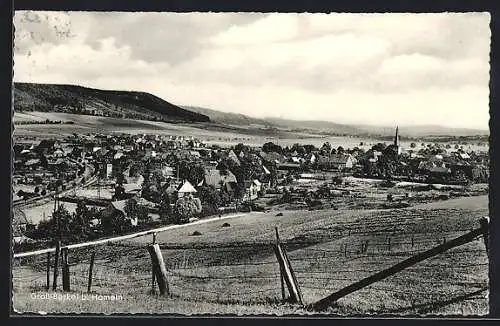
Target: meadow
(229, 266)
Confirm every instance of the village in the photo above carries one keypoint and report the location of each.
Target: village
(120, 183)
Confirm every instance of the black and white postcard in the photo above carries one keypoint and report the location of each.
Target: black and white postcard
(251, 163)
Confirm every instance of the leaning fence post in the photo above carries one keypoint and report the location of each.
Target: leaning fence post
(47, 286)
(289, 275)
(327, 301)
(159, 269)
(91, 268)
(65, 270)
(56, 265)
(282, 277)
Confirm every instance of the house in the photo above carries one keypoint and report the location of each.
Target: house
(185, 188)
(340, 161)
(252, 189)
(33, 163)
(311, 158)
(233, 157)
(118, 156)
(57, 164)
(117, 209)
(59, 153)
(20, 223)
(439, 173)
(258, 185)
(195, 154)
(218, 178)
(429, 164)
(289, 167)
(168, 171)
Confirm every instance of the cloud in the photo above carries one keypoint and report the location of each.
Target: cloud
(334, 67)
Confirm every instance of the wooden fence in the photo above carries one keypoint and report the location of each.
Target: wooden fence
(172, 275)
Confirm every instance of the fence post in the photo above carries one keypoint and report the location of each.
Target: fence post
(47, 286)
(56, 265)
(65, 270)
(152, 271)
(289, 275)
(91, 268)
(485, 221)
(159, 269)
(282, 277)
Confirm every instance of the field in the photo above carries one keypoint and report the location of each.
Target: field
(91, 124)
(211, 133)
(233, 269)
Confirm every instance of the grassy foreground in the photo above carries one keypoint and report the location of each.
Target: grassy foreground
(233, 270)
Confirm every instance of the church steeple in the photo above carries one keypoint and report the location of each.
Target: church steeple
(396, 137)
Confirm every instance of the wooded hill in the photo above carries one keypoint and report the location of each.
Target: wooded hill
(110, 103)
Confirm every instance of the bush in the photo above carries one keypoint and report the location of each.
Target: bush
(226, 225)
(196, 233)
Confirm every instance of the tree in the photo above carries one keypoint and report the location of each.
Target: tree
(186, 207)
(119, 192)
(136, 211)
(327, 148)
(309, 148)
(196, 174)
(209, 196)
(165, 209)
(379, 147)
(120, 178)
(340, 150)
(298, 148)
(413, 145)
(271, 147)
(81, 221)
(135, 169)
(241, 148)
(63, 225)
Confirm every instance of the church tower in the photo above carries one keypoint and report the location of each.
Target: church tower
(396, 138)
(396, 141)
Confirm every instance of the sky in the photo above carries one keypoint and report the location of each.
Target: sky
(379, 69)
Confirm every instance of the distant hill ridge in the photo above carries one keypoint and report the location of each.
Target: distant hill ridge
(332, 128)
(84, 100)
(236, 119)
(145, 106)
